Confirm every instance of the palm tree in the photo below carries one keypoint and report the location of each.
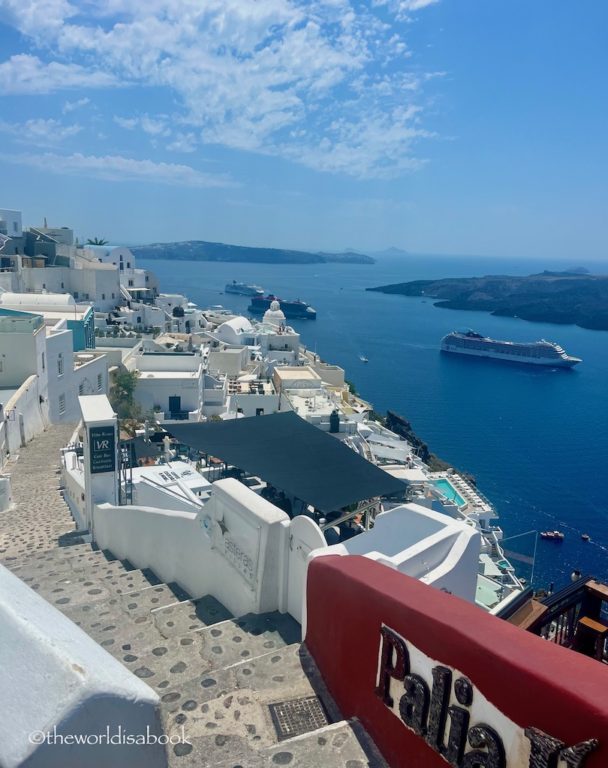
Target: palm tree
(97, 241)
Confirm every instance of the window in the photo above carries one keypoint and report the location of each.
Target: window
(113, 296)
(130, 283)
(1, 366)
(75, 294)
(81, 388)
(99, 382)
(61, 404)
(43, 361)
(44, 286)
(60, 365)
(122, 266)
(103, 296)
(128, 265)
(62, 285)
(259, 411)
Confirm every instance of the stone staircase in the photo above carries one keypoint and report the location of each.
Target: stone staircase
(244, 691)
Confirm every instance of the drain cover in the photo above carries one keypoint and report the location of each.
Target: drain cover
(298, 716)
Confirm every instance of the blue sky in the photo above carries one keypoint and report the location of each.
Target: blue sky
(441, 126)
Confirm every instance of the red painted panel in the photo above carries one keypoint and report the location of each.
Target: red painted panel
(533, 682)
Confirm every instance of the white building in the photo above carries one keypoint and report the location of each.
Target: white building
(41, 377)
(10, 223)
(271, 342)
(139, 284)
(170, 383)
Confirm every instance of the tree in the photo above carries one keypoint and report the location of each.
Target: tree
(122, 395)
(97, 241)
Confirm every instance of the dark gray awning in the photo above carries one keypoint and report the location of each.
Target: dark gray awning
(293, 456)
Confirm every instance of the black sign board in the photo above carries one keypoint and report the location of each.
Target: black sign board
(103, 449)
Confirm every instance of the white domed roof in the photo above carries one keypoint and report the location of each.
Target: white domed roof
(274, 314)
(238, 324)
(233, 330)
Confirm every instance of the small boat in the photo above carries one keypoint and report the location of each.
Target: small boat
(552, 535)
(585, 537)
(363, 359)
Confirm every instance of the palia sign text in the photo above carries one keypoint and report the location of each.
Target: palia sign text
(444, 709)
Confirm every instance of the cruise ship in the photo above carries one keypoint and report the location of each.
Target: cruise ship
(244, 289)
(536, 352)
(292, 309)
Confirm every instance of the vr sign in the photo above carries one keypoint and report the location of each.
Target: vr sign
(443, 708)
(102, 449)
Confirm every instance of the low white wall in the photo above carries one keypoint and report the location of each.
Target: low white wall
(250, 403)
(55, 679)
(233, 549)
(423, 544)
(25, 415)
(73, 485)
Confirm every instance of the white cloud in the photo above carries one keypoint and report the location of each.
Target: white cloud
(128, 123)
(70, 106)
(40, 131)
(25, 74)
(118, 168)
(153, 126)
(183, 142)
(303, 79)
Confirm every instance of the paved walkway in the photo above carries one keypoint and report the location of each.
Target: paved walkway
(244, 689)
(40, 516)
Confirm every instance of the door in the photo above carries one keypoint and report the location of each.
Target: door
(175, 404)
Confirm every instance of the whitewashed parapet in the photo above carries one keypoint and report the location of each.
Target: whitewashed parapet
(233, 549)
(63, 697)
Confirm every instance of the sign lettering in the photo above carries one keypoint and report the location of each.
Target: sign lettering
(103, 450)
(442, 707)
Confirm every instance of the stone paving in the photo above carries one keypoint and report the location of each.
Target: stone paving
(40, 516)
(216, 675)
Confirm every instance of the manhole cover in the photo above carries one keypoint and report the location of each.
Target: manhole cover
(298, 716)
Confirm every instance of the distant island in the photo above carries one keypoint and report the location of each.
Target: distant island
(575, 297)
(201, 250)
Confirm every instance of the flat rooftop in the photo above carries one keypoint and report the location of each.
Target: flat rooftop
(311, 405)
(296, 373)
(193, 375)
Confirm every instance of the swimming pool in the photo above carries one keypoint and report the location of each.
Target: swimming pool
(447, 489)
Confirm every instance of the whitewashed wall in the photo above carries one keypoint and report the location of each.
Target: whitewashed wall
(25, 416)
(234, 549)
(55, 678)
(423, 544)
(73, 485)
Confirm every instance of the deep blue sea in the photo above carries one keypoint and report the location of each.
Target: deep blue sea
(536, 440)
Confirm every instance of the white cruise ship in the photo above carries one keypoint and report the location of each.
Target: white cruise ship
(536, 352)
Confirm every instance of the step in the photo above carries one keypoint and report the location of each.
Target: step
(95, 566)
(344, 744)
(54, 555)
(235, 699)
(189, 615)
(71, 589)
(142, 601)
(110, 626)
(230, 642)
(226, 714)
(129, 581)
